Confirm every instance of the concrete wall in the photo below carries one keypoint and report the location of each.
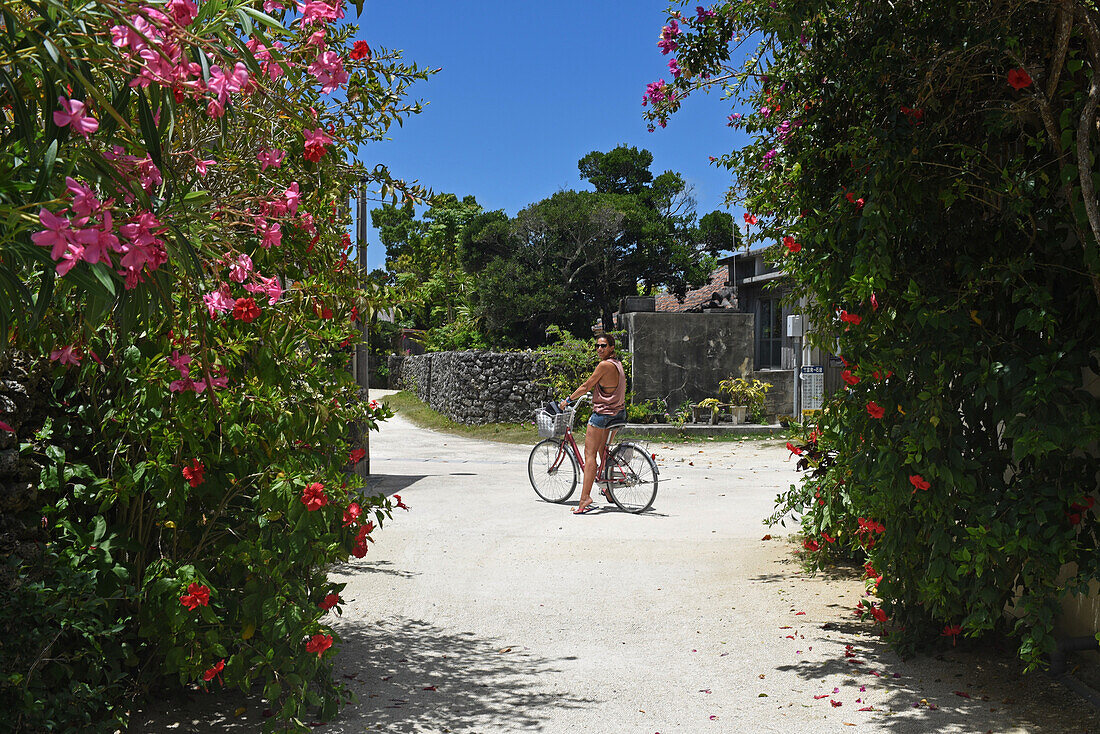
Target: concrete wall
(683, 356)
(475, 387)
(780, 399)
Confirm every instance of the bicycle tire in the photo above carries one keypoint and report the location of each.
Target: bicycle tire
(633, 486)
(554, 479)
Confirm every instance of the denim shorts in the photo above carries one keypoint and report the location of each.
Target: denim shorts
(603, 421)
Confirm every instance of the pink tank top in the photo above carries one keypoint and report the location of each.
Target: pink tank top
(612, 402)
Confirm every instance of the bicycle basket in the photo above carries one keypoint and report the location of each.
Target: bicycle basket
(551, 425)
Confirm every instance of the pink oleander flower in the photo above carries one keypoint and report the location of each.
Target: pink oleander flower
(85, 202)
(219, 301)
(66, 355)
(180, 362)
(272, 5)
(268, 286)
(55, 235)
(315, 142)
(271, 233)
(314, 11)
(202, 165)
(317, 38)
(328, 69)
(182, 11)
(240, 268)
(270, 158)
(74, 114)
(293, 197)
(98, 242)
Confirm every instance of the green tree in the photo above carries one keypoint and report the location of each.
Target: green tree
(929, 170)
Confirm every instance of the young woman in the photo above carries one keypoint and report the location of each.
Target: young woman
(608, 386)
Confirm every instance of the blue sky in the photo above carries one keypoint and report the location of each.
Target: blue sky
(528, 88)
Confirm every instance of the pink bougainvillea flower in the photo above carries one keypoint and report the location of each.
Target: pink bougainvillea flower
(666, 42)
(66, 355)
(750, 219)
(791, 245)
(875, 410)
(74, 114)
(270, 158)
(919, 482)
(214, 671)
(197, 596)
(352, 513)
(360, 51)
(1019, 78)
(319, 643)
(329, 602)
(674, 67)
(246, 310)
(313, 496)
(194, 473)
(315, 142)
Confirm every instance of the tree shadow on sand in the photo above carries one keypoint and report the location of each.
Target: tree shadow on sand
(407, 677)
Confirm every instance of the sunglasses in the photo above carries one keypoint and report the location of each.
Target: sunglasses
(602, 346)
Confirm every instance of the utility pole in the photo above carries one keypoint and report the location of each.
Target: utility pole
(362, 349)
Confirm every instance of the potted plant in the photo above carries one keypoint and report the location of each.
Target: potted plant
(745, 396)
(707, 408)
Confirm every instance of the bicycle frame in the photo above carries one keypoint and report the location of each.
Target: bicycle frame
(579, 456)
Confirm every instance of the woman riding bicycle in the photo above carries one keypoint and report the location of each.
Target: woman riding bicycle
(608, 386)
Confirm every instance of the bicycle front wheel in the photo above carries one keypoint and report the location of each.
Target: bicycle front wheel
(553, 470)
(632, 478)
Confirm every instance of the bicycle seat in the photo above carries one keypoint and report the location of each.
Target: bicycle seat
(616, 424)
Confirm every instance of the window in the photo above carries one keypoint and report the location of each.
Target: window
(769, 333)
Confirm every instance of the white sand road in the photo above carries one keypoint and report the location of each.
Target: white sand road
(484, 609)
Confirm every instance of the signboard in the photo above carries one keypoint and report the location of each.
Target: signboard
(812, 380)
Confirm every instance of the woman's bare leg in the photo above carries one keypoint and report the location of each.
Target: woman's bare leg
(594, 440)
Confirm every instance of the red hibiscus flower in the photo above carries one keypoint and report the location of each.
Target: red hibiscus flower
(356, 456)
(351, 514)
(313, 496)
(197, 596)
(791, 245)
(875, 410)
(878, 614)
(400, 504)
(1019, 79)
(750, 219)
(811, 545)
(216, 670)
(193, 473)
(919, 482)
(848, 377)
(360, 51)
(851, 318)
(828, 538)
(319, 643)
(794, 449)
(246, 310)
(329, 602)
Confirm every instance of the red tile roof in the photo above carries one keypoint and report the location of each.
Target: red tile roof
(668, 303)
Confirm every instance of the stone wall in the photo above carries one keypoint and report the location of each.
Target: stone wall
(474, 387)
(780, 400)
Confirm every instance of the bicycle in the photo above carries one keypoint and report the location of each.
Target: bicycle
(627, 471)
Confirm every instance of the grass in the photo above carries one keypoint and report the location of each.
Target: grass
(411, 408)
(415, 411)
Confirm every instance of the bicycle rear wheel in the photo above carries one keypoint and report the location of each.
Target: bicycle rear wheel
(632, 478)
(553, 470)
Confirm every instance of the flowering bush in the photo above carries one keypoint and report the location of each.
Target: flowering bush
(175, 239)
(929, 170)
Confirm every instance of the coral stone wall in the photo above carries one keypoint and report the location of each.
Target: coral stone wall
(475, 387)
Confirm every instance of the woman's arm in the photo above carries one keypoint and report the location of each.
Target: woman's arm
(591, 382)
